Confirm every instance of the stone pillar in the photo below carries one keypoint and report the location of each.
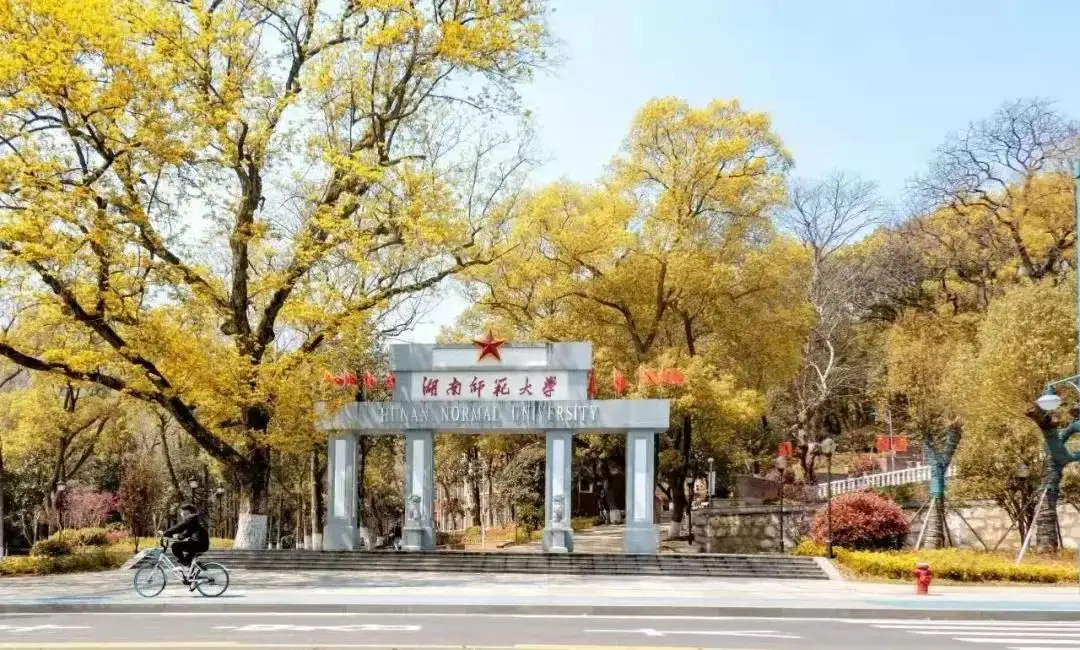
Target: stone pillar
(640, 532)
(418, 533)
(558, 534)
(339, 533)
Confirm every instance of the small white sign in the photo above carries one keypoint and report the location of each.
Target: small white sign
(491, 385)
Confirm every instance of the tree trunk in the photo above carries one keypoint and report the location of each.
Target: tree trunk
(807, 460)
(316, 486)
(1046, 522)
(679, 501)
(475, 511)
(935, 525)
(173, 479)
(254, 476)
(3, 485)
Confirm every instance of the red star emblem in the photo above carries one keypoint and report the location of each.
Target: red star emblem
(489, 346)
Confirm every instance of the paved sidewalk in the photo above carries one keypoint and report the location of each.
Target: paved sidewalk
(524, 594)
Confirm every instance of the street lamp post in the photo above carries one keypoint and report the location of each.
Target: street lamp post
(218, 493)
(711, 481)
(60, 487)
(781, 463)
(828, 447)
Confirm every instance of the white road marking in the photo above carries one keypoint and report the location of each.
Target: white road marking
(1023, 641)
(760, 634)
(364, 627)
(979, 624)
(39, 628)
(1009, 631)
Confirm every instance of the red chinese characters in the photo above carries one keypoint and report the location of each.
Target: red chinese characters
(501, 388)
(431, 387)
(549, 386)
(526, 389)
(476, 386)
(454, 388)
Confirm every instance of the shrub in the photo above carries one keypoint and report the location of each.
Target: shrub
(864, 465)
(51, 547)
(584, 523)
(86, 508)
(83, 536)
(95, 560)
(92, 537)
(861, 521)
(954, 564)
(810, 548)
(115, 536)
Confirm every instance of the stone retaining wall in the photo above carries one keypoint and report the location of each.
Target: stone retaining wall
(756, 529)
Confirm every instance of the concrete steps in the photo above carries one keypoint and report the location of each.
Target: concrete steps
(696, 565)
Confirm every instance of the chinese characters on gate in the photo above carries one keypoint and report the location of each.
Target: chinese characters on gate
(478, 387)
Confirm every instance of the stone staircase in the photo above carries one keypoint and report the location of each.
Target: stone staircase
(696, 565)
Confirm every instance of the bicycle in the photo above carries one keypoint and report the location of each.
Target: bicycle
(151, 580)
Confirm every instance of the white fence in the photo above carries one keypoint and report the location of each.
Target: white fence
(918, 474)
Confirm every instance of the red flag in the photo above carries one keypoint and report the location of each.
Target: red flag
(369, 380)
(648, 377)
(673, 377)
(391, 381)
(591, 390)
(620, 383)
(900, 444)
(882, 444)
(784, 449)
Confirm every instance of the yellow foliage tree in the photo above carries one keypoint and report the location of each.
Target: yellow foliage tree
(147, 199)
(670, 258)
(60, 425)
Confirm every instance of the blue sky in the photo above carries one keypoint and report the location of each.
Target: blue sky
(869, 87)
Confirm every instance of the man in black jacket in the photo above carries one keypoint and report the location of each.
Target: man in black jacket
(194, 539)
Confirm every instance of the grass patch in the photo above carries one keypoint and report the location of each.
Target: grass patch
(953, 565)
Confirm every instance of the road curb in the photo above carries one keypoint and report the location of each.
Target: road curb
(539, 610)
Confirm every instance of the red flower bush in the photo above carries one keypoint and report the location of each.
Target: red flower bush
(861, 521)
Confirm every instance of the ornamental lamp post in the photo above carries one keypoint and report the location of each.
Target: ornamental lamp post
(828, 447)
(60, 487)
(781, 463)
(712, 481)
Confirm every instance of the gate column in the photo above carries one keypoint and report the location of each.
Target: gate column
(558, 534)
(339, 533)
(419, 533)
(640, 533)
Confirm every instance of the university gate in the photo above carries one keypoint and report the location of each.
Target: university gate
(490, 387)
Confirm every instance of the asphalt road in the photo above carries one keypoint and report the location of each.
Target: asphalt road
(418, 632)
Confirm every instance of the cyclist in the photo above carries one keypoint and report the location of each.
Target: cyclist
(193, 539)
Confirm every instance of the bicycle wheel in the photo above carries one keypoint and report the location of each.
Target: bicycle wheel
(213, 580)
(149, 581)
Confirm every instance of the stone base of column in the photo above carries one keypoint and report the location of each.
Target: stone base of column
(558, 540)
(640, 539)
(418, 538)
(339, 537)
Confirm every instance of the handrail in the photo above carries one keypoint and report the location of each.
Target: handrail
(918, 474)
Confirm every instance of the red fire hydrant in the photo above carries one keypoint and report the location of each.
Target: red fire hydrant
(923, 576)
